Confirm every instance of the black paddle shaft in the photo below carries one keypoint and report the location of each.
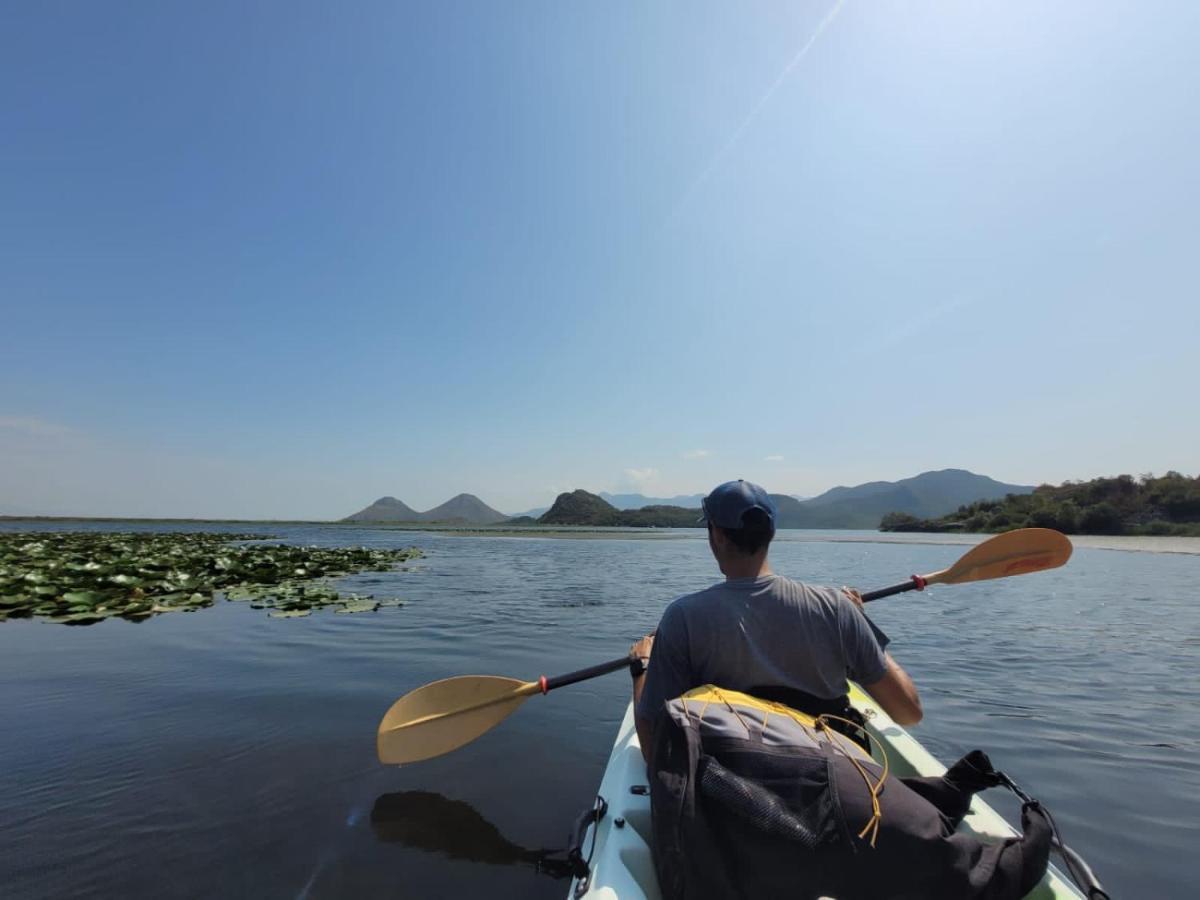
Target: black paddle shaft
(915, 583)
(613, 665)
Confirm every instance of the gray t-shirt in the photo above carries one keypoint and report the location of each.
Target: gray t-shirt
(761, 632)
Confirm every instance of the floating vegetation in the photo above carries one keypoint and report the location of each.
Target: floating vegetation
(79, 578)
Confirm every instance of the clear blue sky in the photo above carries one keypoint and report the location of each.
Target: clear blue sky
(278, 259)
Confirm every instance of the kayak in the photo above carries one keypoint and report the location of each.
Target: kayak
(621, 866)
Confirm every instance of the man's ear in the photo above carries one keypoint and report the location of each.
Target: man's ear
(717, 539)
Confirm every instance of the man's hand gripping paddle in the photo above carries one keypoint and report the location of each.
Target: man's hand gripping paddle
(444, 715)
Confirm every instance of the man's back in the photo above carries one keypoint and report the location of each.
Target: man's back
(761, 632)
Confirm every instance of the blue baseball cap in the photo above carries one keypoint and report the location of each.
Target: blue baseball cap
(729, 502)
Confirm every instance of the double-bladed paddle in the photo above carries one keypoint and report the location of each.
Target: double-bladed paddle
(444, 715)
(1012, 553)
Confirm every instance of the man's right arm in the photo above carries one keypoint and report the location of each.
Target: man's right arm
(897, 694)
(642, 650)
(667, 674)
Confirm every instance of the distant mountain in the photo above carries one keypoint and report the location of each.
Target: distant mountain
(579, 508)
(534, 513)
(582, 508)
(385, 509)
(660, 516)
(637, 501)
(465, 509)
(927, 495)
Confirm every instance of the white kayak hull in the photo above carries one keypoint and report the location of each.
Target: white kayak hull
(623, 869)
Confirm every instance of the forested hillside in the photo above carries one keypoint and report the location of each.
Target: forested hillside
(1169, 504)
(582, 508)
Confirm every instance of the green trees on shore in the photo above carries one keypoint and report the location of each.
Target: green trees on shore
(1167, 505)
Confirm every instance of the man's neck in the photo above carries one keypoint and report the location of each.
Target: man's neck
(746, 568)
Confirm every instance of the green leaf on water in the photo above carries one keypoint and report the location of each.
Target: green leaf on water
(83, 598)
(80, 577)
(358, 604)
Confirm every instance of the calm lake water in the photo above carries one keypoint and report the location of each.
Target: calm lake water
(224, 753)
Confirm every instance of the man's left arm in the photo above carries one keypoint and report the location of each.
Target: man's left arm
(882, 677)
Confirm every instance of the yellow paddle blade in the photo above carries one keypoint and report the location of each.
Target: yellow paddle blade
(444, 715)
(1012, 553)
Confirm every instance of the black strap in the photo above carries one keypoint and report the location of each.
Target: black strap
(1081, 873)
(581, 866)
(573, 864)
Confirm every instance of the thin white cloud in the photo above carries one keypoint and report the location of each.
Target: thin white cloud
(736, 136)
(641, 476)
(697, 454)
(31, 425)
(774, 457)
(917, 324)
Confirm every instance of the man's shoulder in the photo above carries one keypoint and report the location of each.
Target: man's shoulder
(691, 606)
(681, 604)
(698, 599)
(788, 590)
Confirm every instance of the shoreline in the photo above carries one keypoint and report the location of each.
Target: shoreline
(1173, 544)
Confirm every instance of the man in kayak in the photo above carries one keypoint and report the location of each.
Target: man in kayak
(764, 634)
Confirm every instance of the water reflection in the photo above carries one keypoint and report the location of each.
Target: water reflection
(428, 821)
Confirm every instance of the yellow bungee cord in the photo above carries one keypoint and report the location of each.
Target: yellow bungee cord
(710, 693)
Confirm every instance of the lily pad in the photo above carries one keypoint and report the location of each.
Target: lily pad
(83, 598)
(358, 605)
(81, 577)
(289, 613)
